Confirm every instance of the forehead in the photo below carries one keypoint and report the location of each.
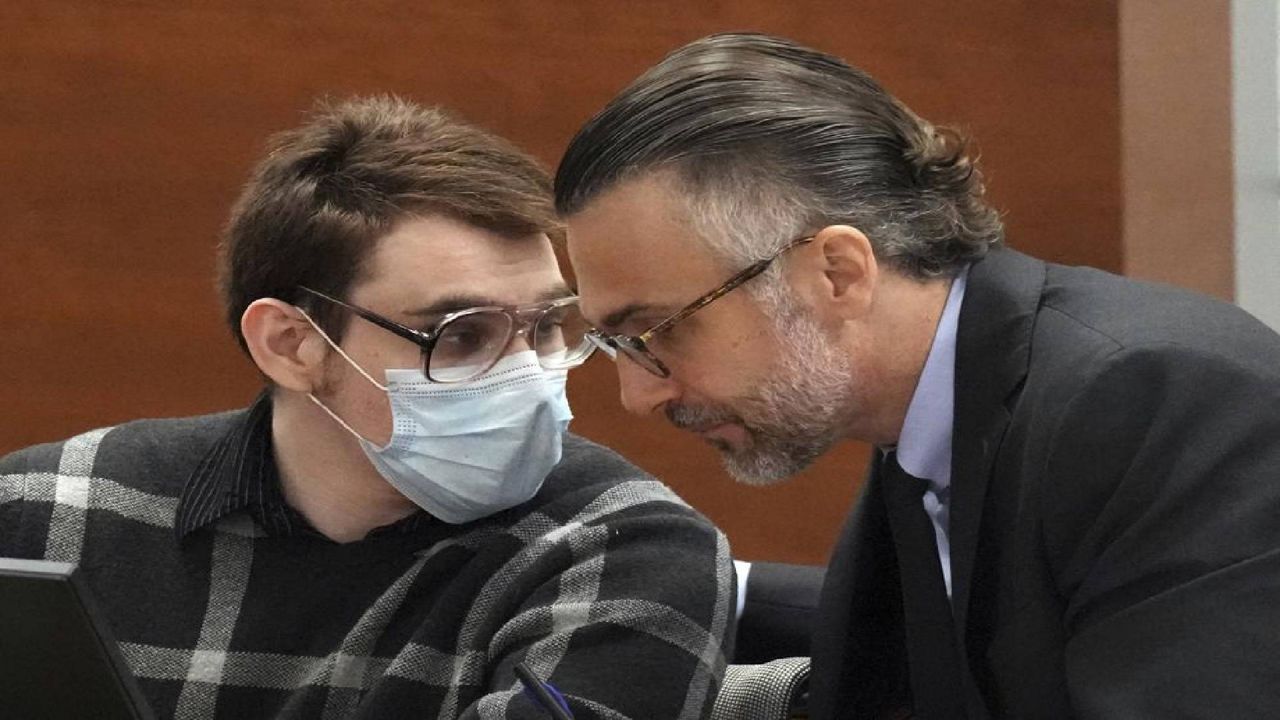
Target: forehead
(634, 246)
(426, 258)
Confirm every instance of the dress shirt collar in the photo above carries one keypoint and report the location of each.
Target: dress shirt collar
(924, 447)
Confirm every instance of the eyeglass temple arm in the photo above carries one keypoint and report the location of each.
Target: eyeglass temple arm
(731, 284)
(750, 272)
(415, 336)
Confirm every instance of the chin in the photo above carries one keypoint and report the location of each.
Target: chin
(770, 459)
(759, 470)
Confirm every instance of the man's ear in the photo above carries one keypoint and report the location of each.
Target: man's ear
(844, 283)
(285, 347)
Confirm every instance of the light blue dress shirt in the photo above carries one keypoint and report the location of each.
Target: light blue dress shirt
(924, 447)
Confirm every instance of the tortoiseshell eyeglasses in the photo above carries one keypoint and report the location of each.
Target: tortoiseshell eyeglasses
(636, 347)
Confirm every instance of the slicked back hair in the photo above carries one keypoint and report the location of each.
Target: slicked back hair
(327, 192)
(766, 139)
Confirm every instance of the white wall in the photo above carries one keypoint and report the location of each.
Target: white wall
(1256, 138)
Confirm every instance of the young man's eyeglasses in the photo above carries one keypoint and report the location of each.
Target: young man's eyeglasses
(636, 347)
(465, 344)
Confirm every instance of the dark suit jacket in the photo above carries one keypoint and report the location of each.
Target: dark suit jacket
(1115, 511)
(778, 613)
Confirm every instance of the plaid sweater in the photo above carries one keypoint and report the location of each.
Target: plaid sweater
(606, 584)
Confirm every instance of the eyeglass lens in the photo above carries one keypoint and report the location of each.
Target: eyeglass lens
(470, 344)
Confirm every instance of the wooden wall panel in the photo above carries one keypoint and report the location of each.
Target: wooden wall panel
(126, 129)
(1176, 157)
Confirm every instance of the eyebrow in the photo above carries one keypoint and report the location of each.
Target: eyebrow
(617, 317)
(462, 301)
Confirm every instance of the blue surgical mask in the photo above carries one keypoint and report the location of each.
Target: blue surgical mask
(463, 451)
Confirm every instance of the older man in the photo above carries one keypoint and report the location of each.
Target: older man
(1072, 506)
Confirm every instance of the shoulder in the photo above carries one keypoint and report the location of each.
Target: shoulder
(588, 463)
(1138, 383)
(593, 483)
(1116, 359)
(147, 452)
(1113, 312)
(1080, 322)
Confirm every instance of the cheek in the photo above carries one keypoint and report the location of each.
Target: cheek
(744, 333)
(720, 381)
(371, 410)
(740, 361)
(357, 401)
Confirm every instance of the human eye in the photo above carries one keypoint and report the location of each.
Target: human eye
(470, 337)
(468, 332)
(554, 317)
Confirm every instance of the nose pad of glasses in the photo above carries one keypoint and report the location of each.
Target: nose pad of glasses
(521, 340)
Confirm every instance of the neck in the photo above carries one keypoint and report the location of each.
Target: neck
(897, 336)
(325, 475)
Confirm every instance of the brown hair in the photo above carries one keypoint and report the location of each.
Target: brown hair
(316, 206)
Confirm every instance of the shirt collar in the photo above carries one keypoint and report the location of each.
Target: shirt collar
(924, 447)
(238, 473)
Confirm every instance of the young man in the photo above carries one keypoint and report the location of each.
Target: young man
(400, 518)
(1072, 509)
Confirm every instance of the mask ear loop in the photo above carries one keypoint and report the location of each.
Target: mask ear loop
(340, 351)
(345, 356)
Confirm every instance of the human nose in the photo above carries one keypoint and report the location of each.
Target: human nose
(521, 337)
(641, 391)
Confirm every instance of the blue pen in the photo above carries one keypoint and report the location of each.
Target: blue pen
(544, 693)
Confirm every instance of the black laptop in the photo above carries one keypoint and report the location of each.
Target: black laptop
(57, 657)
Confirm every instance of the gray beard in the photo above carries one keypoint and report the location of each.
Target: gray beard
(797, 414)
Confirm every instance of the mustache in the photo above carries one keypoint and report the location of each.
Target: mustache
(689, 417)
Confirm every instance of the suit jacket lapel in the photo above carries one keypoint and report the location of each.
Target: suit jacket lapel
(858, 651)
(993, 344)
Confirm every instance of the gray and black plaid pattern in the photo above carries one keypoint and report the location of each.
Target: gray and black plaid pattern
(770, 691)
(235, 621)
